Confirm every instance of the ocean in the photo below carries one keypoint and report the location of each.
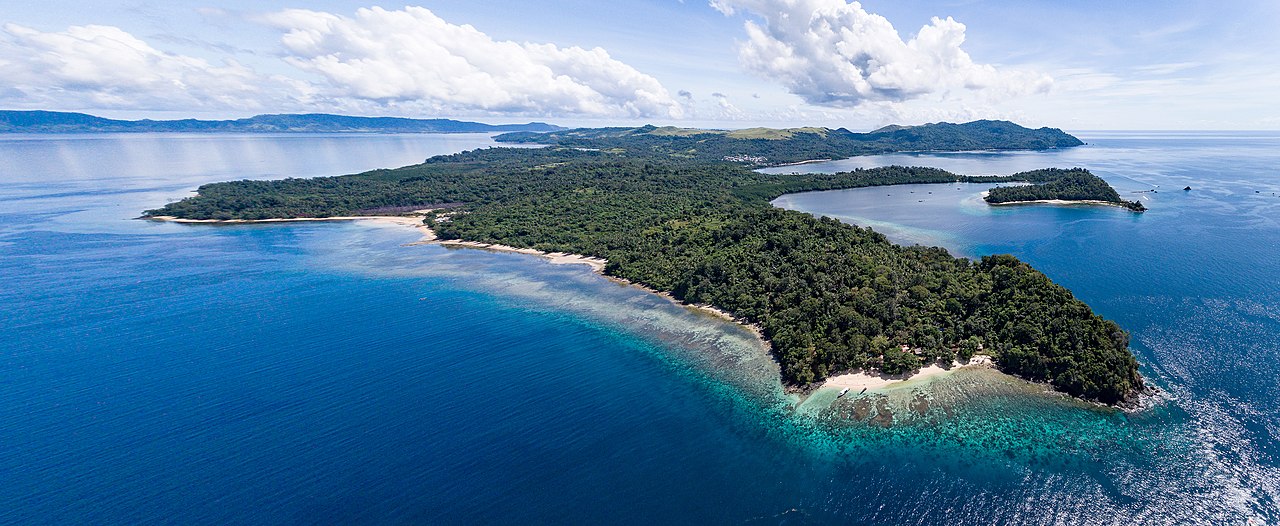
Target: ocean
(327, 373)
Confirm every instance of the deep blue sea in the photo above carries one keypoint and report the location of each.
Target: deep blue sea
(327, 373)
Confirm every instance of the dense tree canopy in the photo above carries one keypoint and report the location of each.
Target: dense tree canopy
(830, 297)
(765, 146)
(1076, 184)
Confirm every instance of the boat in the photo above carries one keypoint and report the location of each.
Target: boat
(842, 393)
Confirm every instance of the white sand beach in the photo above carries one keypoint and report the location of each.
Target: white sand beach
(862, 380)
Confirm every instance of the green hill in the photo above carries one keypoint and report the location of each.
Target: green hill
(767, 146)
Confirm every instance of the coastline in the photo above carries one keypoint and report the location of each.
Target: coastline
(874, 382)
(1054, 202)
(1058, 202)
(429, 237)
(856, 381)
(597, 265)
(556, 258)
(806, 161)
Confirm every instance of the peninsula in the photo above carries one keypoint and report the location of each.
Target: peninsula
(830, 298)
(64, 122)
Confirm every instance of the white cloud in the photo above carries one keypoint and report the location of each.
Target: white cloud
(836, 54)
(106, 67)
(727, 109)
(412, 56)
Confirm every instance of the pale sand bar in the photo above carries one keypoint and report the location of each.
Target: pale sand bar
(856, 382)
(412, 221)
(1053, 202)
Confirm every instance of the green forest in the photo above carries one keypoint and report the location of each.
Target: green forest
(768, 147)
(1076, 184)
(828, 296)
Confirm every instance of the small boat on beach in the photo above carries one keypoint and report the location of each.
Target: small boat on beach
(842, 393)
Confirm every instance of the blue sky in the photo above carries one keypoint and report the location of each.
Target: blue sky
(1080, 64)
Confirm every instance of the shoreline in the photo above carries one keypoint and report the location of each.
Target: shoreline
(806, 161)
(876, 382)
(1055, 202)
(556, 258)
(1058, 202)
(855, 381)
(597, 265)
(429, 237)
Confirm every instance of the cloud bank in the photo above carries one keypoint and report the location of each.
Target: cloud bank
(404, 61)
(414, 56)
(836, 54)
(103, 66)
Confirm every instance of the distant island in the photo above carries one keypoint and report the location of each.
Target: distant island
(829, 297)
(1055, 185)
(771, 147)
(63, 122)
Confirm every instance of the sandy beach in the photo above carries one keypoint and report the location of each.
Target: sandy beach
(1059, 202)
(1054, 202)
(410, 221)
(557, 258)
(856, 382)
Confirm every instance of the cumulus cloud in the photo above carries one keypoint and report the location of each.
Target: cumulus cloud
(413, 56)
(727, 109)
(834, 53)
(106, 67)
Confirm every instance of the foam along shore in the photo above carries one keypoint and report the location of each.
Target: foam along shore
(858, 381)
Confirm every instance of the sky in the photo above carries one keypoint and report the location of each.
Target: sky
(1071, 64)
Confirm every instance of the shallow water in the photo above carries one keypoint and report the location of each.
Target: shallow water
(305, 373)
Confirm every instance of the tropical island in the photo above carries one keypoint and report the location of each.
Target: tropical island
(1054, 185)
(829, 297)
(771, 147)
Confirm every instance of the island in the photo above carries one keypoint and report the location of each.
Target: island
(771, 147)
(828, 297)
(1057, 186)
(67, 122)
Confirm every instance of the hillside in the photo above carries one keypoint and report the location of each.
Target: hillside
(767, 147)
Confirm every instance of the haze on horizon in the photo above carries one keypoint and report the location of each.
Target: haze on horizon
(1080, 65)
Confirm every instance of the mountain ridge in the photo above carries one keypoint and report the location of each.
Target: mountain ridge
(42, 121)
(769, 146)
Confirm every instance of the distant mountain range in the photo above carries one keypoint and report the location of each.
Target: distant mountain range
(770, 146)
(64, 122)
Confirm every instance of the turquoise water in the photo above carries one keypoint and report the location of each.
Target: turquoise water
(326, 373)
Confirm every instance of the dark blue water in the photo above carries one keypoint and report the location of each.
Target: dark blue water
(326, 373)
